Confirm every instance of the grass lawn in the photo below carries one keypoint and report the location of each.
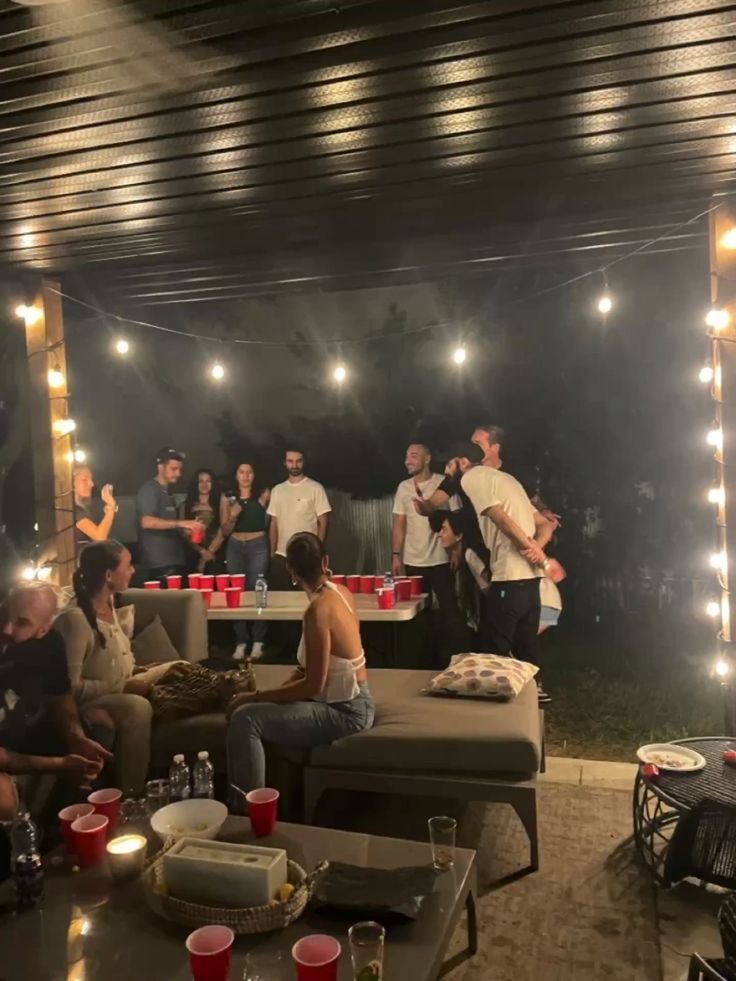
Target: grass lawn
(614, 689)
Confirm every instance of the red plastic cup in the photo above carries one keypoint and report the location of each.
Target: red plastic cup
(232, 597)
(193, 580)
(173, 582)
(197, 535)
(237, 581)
(206, 582)
(353, 583)
(316, 957)
(403, 590)
(222, 583)
(338, 580)
(67, 817)
(152, 584)
(367, 584)
(90, 838)
(210, 949)
(263, 805)
(107, 802)
(206, 595)
(416, 585)
(385, 599)
(377, 583)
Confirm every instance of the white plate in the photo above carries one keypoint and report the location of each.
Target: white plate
(668, 756)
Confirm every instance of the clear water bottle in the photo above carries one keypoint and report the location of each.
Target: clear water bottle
(203, 776)
(26, 862)
(179, 780)
(388, 580)
(261, 588)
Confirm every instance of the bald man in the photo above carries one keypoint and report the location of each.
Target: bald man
(40, 730)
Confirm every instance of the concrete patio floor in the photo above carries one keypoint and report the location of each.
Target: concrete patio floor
(686, 915)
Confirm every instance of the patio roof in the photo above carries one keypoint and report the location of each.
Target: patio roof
(352, 143)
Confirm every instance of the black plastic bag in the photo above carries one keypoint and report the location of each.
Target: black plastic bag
(384, 895)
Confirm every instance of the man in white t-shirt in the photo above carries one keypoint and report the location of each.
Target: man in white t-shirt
(298, 504)
(414, 544)
(515, 534)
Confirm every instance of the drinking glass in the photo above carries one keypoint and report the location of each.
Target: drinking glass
(266, 967)
(157, 795)
(366, 950)
(442, 832)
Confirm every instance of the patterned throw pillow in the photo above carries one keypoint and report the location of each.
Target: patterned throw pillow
(483, 676)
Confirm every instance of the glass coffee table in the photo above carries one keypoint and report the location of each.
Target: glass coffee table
(92, 929)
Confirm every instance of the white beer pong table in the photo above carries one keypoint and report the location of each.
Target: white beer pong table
(288, 605)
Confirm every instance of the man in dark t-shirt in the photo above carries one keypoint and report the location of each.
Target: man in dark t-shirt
(162, 534)
(40, 730)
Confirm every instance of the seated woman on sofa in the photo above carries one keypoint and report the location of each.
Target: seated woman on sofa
(326, 698)
(109, 689)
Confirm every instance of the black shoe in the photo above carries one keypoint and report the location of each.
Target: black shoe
(542, 697)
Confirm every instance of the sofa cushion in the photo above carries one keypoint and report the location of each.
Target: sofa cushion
(182, 613)
(153, 644)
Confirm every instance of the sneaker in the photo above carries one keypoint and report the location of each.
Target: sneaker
(542, 697)
(257, 653)
(239, 653)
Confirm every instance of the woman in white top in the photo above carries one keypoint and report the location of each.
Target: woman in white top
(110, 690)
(326, 698)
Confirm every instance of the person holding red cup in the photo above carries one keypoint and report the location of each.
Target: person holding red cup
(326, 699)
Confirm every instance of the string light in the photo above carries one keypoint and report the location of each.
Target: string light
(714, 438)
(718, 318)
(459, 355)
(712, 608)
(706, 374)
(716, 495)
(31, 315)
(728, 239)
(28, 573)
(605, 304)
(718, 561)
(79, 456)
(55, 377)
(340, 373)
(723, 668)
(122, 346)
(217, 371)
(62, 427)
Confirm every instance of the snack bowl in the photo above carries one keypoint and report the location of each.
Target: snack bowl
(200, 818)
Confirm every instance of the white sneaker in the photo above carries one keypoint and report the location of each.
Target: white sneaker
(239, 653)
(257, 653)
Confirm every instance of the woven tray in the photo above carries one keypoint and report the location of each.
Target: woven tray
(251, 919)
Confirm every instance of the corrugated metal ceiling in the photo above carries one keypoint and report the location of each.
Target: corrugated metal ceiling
(351, 143)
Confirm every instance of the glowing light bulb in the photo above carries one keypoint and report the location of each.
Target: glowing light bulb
(728, 239)
(713, 608)
(28, 573)
(62, 427)
(122, 346)
(44, 573)
(79, 456)
(716, 495)
(605, 304)
(217, 372)
(718, 561)
(718, 318)
(706, 374)
(340, 373)
(723, 668)
(714, 438)
(31, 315)
(55, 378)
(459, 355)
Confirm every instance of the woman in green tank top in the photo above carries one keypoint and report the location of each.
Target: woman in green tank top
(205, 501)
(244, 519)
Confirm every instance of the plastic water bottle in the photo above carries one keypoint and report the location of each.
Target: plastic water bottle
(261, 588)
(26, 862)
(179, 781)
(204, 776)
(388, 581)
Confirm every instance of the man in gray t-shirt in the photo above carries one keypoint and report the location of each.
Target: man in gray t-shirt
(162, 533)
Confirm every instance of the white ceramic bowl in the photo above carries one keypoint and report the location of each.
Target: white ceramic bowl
(200, 818)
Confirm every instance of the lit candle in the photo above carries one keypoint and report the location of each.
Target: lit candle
(126, 855)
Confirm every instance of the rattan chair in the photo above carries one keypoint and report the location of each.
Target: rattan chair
(704, 846)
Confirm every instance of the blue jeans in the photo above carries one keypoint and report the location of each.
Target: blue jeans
(298, 725)
(251, 558)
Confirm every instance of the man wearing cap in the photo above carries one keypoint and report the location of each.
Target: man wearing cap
(162, 532)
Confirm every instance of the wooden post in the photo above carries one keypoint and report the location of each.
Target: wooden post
(722, 329)
(53, 450)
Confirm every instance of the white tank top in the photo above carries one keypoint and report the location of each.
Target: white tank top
(341, 684)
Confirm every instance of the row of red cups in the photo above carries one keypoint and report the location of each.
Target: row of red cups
(197, 581)
(405, 587)
(86, 827)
